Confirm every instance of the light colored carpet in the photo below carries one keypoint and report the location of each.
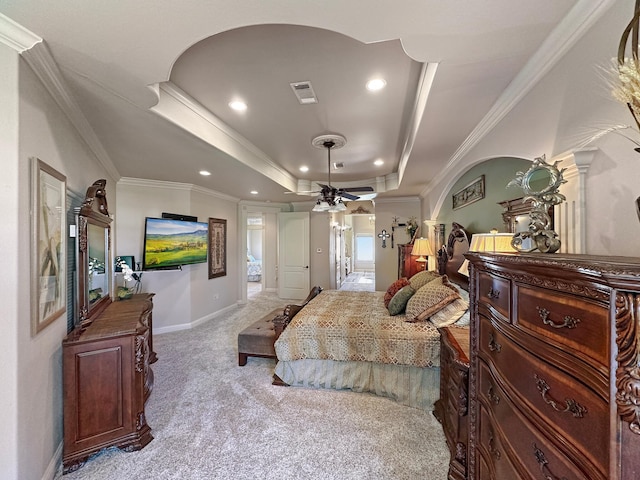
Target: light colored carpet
(212, 419)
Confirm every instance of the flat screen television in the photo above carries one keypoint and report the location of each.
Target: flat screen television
(172, 243)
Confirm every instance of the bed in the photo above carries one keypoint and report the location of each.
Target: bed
(349, 340)
(254, 269)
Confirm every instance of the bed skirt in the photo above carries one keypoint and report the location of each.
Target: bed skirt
(413, 386)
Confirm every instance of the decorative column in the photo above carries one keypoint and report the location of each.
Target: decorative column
(583, 159)
(432, 237)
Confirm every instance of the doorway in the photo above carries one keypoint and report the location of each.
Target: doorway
(255, 253)
(359, 255)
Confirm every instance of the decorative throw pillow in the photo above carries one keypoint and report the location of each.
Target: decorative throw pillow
(450, 314)
(420, 279)
(399, 301)
(393, 289)
(430, 298)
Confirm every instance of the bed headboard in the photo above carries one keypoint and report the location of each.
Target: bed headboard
(451, 255)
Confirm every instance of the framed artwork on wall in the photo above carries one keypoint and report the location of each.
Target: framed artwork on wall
(217, 247)
(473, 192)
(48, 245)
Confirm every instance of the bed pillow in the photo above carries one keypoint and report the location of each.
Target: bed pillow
(393, 289)
(430, 298)
(450, 314)
(398, 303)
(420, 279)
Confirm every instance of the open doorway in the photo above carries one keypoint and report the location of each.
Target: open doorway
(255, 253)
(359, 255)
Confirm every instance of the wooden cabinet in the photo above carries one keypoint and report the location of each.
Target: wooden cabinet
(451, 409)
(107, 380)
(553, 383)
(407, 265)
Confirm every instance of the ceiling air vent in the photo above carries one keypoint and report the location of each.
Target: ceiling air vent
(304, 92)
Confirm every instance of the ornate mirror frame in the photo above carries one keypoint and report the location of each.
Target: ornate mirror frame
(543, 197)
(94, 254)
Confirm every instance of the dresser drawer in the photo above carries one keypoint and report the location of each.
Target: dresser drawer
(574, 323)
(495, 292)
(493, 462)
(570, 409)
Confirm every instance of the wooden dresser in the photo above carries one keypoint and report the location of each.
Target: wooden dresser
(407, 265)
(451, 409)
(554, 382)
(107, 381)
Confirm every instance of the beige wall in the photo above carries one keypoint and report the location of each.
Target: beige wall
(387, 258)
(35, 126)
(186, 297)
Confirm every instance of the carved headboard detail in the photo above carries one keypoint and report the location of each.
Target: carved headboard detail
(451, 254)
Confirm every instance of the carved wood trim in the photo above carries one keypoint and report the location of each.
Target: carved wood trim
(628, 358)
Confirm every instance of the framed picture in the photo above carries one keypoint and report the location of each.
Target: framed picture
(217, 247)
(48, 249)
(469, 194)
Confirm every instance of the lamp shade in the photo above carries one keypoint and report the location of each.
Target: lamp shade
(421, 248)
(488, 242)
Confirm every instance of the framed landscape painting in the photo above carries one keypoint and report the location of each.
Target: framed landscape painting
(48, 249)
(217, 247)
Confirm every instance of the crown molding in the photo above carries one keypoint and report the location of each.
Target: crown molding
(572, 27)
(382, 201)
(215, 132)
(46, 69)
(185, 187)
(15, 36)
(427, 74)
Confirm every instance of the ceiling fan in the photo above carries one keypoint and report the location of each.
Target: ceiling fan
(330, 197)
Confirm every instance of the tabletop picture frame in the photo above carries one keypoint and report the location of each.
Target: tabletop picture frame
(217, 258)
(48, 249)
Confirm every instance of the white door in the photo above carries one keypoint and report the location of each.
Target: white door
(293, 255)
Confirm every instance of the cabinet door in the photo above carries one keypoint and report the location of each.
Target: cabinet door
(97, 373)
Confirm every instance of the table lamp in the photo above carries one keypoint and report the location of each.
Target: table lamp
(422, 249)
(492, 242)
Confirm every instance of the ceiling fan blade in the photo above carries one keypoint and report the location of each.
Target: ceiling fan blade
(357, 189)
(304, 192)
(349, 196)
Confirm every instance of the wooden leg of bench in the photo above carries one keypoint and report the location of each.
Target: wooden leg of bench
(242, 359)
(278, 381)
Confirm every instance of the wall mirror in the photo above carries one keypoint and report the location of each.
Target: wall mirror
(540, 186)
(94, 254)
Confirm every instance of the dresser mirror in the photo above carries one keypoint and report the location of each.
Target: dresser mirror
(94, 254)
(540, 186)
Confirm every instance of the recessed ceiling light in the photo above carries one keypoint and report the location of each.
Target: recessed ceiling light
(378, 162)
(304, 168)
(205, 173)
(254, 192)
(376, 84)
(238, 106)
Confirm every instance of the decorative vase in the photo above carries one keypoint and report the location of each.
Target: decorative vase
(124, 293)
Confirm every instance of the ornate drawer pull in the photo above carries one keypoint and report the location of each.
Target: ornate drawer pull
(493, 345)
(492, 396)
(492, 447)
(569, 322)
(571, 406)
(493, 294)
(544, 464)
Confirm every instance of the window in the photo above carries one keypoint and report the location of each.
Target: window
(364, 247)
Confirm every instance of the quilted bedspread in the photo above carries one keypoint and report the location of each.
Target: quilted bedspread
(356, 326)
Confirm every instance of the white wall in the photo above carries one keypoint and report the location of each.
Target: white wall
(564, 109)
(183, 298)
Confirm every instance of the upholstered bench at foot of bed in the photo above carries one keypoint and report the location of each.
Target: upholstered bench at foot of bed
(258, 338)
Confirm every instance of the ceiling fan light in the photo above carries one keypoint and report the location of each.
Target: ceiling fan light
(340, 206)
(321, 206)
